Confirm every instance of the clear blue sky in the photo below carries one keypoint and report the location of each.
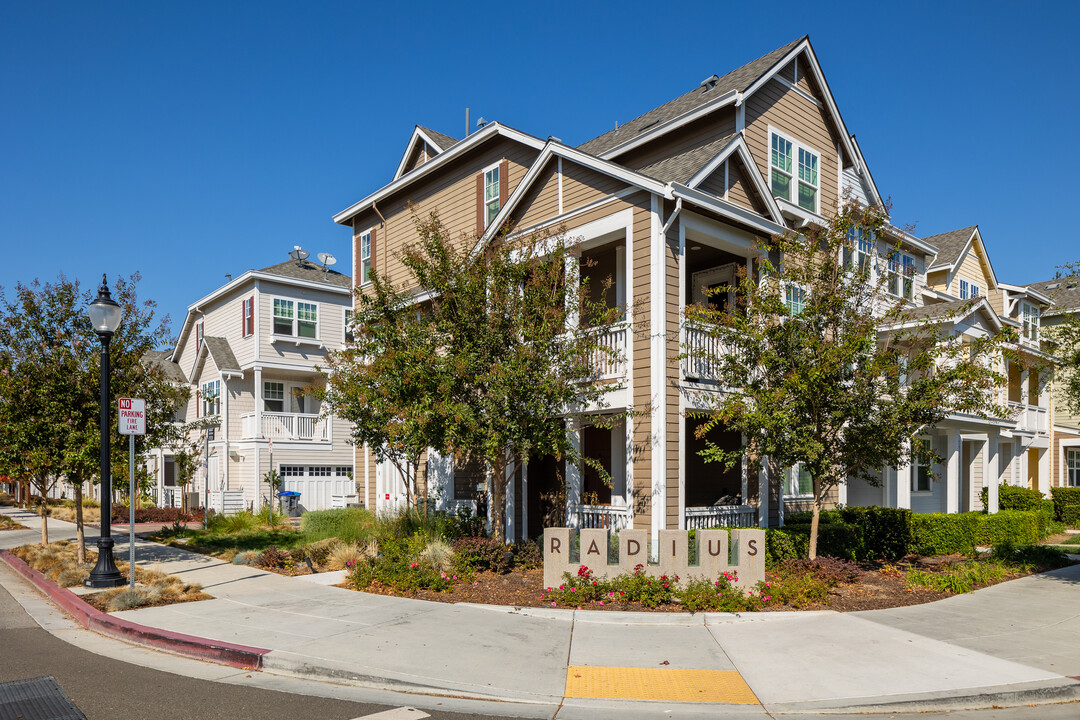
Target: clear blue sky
(189, 140)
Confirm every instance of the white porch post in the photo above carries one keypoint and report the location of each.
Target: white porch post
(1021, 453)
(573, 474)
(991, 472)
(763, 493)
(1044, 471)
(524, 500)
(888, 487)
(508, 510)
(903, 480)
(952, 474)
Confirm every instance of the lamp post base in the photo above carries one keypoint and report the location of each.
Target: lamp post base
(105, 573)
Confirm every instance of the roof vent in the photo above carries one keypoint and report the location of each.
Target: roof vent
(1053, 286)
(709, 83)
(1070, 285)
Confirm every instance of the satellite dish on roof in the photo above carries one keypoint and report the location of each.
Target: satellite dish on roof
(298, 254)
(327, 259)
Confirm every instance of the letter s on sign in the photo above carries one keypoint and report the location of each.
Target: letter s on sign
(751, 548)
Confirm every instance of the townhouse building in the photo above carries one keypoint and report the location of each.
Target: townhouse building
(668, 205)
(248, 353)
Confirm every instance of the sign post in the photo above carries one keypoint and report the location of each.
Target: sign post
(132, 420)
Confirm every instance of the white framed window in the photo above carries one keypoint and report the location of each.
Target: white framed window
(794, 299)
(491, 193)
(348, 335)
(920, 475)
(300, 319)
(1030, 320)
(794, 171)
(800, 482)
(273, 396)
(248, 324)
(908, 264)
(292, 471)
(900, 275)
(210, 396)
(974, 290)
(320, 471)
(965, 293)
(198, 336)
(343, 470)
(365, 258)
(1072, 467)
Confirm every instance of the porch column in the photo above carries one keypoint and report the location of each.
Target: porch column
(784, 479)
(1024, 395)
(258, 402)
(903, 480)
(620, 274)
(258, 481)
(952, 473)
(524, 500)
(508, 478)
(573, 474)
(1021, 454)
(763, 493)
(1044, 472)
(888, 487)
(992, 472)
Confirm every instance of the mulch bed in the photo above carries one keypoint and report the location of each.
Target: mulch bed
(95, 600)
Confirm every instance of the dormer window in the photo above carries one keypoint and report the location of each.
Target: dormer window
(491, 194)
(198, 336)
(804, 181)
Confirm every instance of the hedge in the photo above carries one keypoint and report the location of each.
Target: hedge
(858, 533)
(1015, 497)
(1066, 505)
(941, 534)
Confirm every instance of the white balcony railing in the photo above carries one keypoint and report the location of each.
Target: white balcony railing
(1030, 418)
(600, 516)
(610, 361)
(287, 426)
(700, 348)
(698, 518)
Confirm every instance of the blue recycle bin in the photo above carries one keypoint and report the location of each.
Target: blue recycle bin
(288, 502)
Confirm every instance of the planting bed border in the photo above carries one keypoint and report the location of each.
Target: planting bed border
(200, 648)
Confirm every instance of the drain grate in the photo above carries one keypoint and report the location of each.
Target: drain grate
(36, 699)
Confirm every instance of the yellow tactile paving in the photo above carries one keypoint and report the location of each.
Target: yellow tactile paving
(672, 684)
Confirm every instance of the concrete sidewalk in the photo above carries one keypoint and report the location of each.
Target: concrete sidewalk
(1015, 643)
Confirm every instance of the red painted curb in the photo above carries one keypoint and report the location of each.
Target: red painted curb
(240, 656)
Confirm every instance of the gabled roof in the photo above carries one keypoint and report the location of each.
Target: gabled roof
(488, 132)
(441, 143)
(951, 245)
(737, 80)
(954, 311)
(219, 350)
(683, 167)
(160, 359)
(305, 270)
(1064, 292)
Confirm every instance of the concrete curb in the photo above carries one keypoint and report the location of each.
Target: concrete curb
(224, 653)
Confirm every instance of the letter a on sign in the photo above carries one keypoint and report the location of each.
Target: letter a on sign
(132, 416)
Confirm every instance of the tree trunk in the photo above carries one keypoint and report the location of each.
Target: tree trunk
(44, 518)
(498, 499)
(815, 518)
(80, 535)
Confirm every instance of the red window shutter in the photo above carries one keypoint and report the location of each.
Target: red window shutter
(479, 204)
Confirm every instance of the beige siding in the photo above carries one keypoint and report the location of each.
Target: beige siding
(542, 201)
(741, 191)
(642, 399)
(582, 186)
(714, 184)
(973, 269)
(716, 125)
(331, 329)
(788, 111)
(451, 193)
(672, 418)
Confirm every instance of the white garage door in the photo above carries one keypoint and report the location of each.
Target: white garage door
(317, 483)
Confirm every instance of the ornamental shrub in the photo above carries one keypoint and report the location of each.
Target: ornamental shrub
(782, 544)
(481, 553)
(1070, 515)
(1014, 497)
(886, 533)
(720, 595)
(1062, 498)
(1011, 526)
(943, 534)
(347, 524)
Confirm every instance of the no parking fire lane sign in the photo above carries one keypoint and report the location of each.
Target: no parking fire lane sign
(132, 416)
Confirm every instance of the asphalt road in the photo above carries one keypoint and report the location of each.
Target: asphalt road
(105, 688)
(102, 687)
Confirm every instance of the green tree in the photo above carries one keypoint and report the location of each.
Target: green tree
(49, 384)
(1064, 340)
(481, 353)
(832, 370)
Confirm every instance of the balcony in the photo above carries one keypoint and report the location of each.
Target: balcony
(600, 516)
(731, 516)
(610, 360)
(287, 426)
(699, 349)
(1030, 418)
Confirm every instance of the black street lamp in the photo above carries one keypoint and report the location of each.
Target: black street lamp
(105, 316)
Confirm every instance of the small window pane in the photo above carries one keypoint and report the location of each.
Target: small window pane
(283, 314)
(807, 197)
(781, 185)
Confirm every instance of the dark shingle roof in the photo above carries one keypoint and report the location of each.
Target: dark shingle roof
(950, 245)
(681, 168)
(943, 311)
(160, 359)
(738, 79)
(1065, 292)
(222, 353)
(443, 141)
(308, 271)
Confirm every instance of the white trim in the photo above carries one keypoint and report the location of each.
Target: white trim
(864, 171)
(497, 167)
(729, 210)
(739, 146)
(792, 86)
(460, 148)
(682, 402)
(559, 171)
(417, 134)
(796, 146)
(561, 219)
(657, 367)
(295, 336)
(729, 98)
(371, 256)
